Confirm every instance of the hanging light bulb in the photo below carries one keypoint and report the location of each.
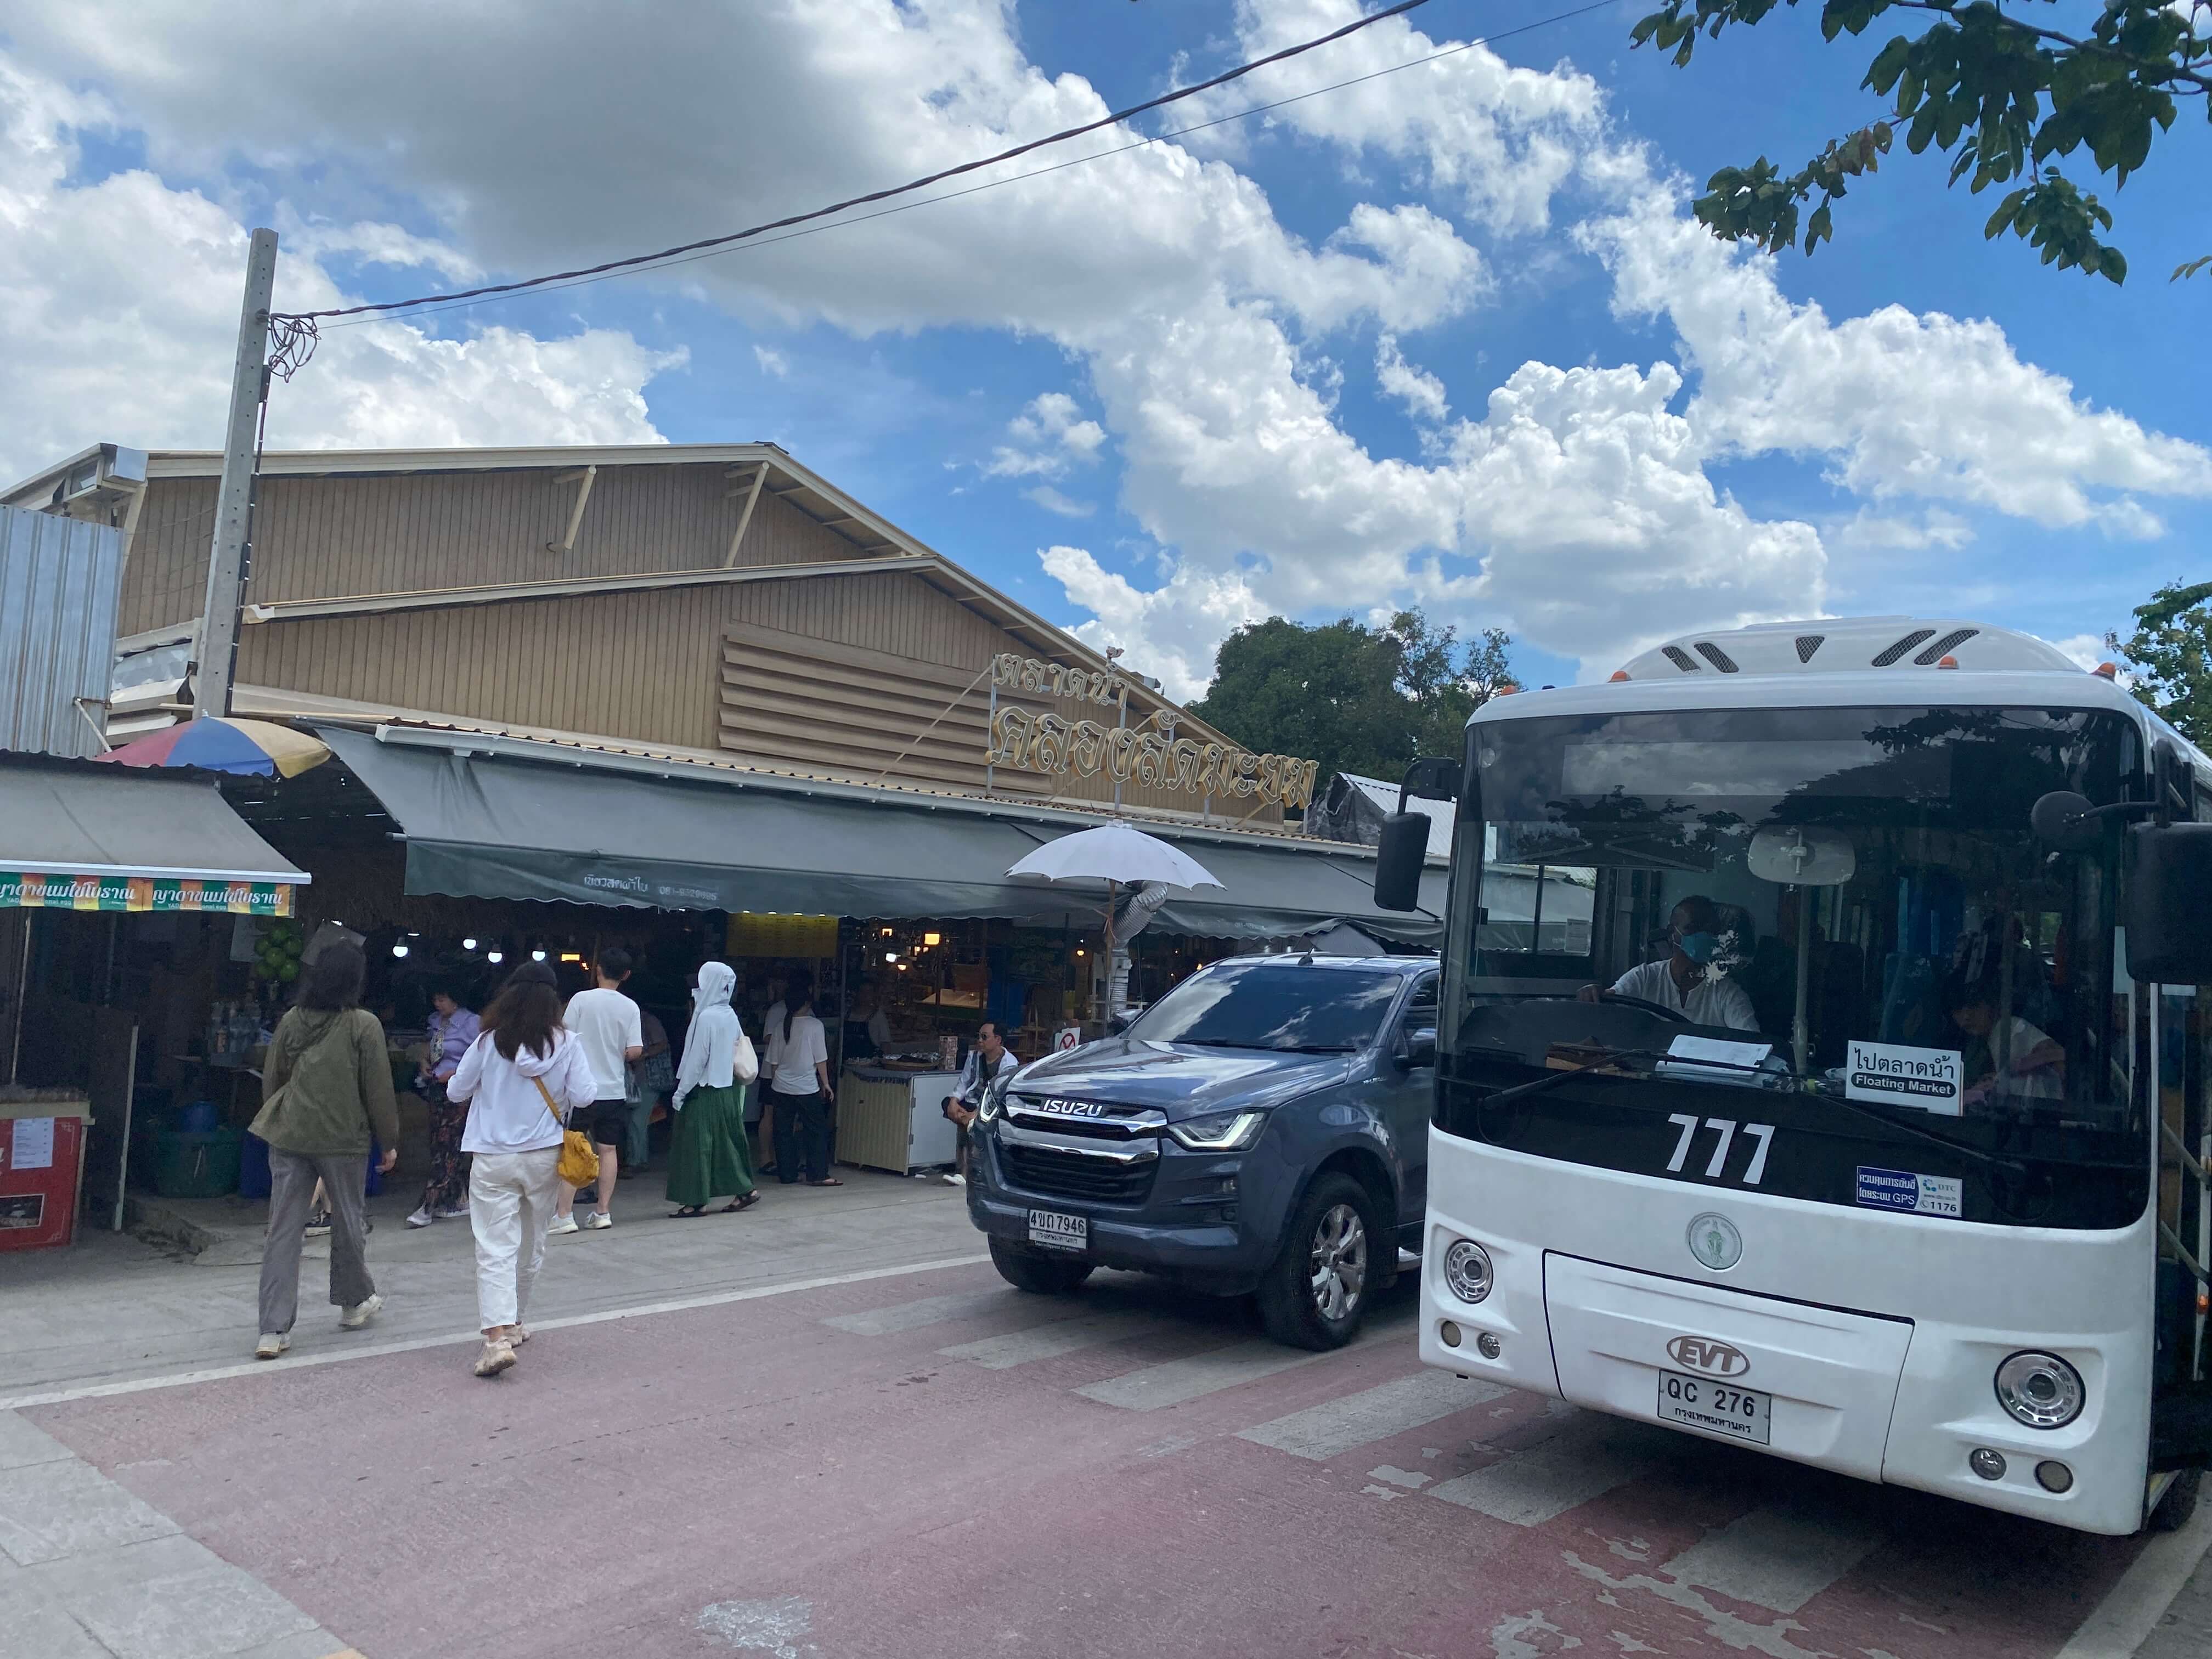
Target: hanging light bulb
(538, 956)
(468, 945)
(494, 957)
(399, 949)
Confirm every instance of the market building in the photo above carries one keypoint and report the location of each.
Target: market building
(697, 701)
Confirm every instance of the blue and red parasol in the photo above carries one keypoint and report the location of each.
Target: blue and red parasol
(244, 748)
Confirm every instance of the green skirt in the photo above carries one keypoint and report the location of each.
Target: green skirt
(708, 1157)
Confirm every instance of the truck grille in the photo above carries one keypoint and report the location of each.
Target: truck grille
(1071, 1175)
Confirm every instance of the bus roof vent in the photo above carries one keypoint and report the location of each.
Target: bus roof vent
(1680, 658)
(1950, 642)
(1917, 636)
(1713, 654)
(1808, 644)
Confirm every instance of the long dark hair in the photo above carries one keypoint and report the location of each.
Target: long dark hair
(798, 993)
(526, 1012)
(332, 983)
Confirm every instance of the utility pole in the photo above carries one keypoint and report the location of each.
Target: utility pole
(234, 502)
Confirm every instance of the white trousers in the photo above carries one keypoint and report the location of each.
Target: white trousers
(510, 1206)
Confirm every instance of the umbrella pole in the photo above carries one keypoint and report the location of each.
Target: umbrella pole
(1110, 1009)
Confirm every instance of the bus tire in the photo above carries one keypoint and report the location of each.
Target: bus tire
(1315, 1293)
(2179, 1505)
(1040, 1275)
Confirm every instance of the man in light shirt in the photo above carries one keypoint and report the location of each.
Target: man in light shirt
(1683, 983)
(606, 1023)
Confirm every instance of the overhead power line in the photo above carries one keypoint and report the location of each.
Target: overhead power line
(302, 321)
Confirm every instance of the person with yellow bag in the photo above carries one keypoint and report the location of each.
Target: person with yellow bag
(521, 1078)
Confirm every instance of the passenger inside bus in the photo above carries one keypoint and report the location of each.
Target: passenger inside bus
(2006, 1057)
(1680, 982)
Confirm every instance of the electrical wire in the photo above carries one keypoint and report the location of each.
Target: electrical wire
(1114, 119)
(427, 308)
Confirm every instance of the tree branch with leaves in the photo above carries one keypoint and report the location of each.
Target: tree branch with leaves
(2005, 98)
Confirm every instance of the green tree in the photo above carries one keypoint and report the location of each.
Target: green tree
(2171, 655)
(2000, 94)
(1354, 698)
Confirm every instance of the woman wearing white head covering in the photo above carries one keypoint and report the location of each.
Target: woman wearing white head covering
(707, 1156)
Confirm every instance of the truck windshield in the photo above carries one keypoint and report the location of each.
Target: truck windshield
(1843, 912)
(1284, 1005)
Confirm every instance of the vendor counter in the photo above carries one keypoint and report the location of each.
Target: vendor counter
(891, 1116)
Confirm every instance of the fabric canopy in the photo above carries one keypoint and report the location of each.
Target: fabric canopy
(74, 837)
(503, 828)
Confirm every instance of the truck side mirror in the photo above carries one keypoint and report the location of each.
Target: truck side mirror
(1421, 1050)
(1398, 854)
(2169, 908)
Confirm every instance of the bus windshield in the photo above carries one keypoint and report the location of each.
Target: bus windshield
(1841, 909)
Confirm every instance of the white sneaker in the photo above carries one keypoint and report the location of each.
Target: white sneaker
(495, 1357)
(563, 1223)
(955, 1180)
(598, 1218)
(422, 1217)
(271, 1343)
(360, 1313)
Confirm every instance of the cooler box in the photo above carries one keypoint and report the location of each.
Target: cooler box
(41, 1165)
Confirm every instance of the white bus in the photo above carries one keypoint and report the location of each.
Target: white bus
(1865, 1121)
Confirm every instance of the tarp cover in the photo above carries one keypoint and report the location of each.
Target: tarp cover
(499, 828)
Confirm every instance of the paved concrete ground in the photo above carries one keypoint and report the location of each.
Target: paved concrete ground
(886, 1461)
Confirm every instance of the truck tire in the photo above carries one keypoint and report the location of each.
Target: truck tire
(1042, 1275)
(1315, 1294)
(2179, 1506)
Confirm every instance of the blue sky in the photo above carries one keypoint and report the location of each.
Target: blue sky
(2038, 461)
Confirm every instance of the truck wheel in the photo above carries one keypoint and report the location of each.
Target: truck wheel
(2179, 1506)
(1315, 1293)
(1042, 1275)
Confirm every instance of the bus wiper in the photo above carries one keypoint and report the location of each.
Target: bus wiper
(1568, 1074)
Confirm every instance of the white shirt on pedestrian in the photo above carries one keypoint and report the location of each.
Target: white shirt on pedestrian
(1713, 1000)
(791, 1060)
(507, 1113)
(606, 1023)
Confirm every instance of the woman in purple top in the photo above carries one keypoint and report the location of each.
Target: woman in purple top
(452, 1029)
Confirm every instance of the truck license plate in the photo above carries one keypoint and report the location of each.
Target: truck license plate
(1699, 1402)
(1056, 1231)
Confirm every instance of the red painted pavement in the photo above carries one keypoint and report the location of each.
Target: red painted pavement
(746, 1478)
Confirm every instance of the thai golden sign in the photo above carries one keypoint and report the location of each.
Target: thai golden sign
(1046, 743)
(1053, 679)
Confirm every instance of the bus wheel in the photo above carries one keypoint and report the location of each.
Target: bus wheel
(1316, 1292)
(2180, 1505)
(1040, 1274)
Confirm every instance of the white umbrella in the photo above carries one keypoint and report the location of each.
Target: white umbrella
(1119, 856)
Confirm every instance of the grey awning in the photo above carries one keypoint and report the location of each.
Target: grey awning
(109, 828)
(593, 833)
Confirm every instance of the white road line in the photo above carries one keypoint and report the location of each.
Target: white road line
(1178, 1380)
(1319, 1432)
(1778, 1558)
(997, 1353)
(371, 1350)
(2132, 1608)
(930, 1311)
(1583, 1461)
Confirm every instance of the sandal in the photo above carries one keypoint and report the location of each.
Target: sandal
(745, 1202)
(688, 1212)
(826, 1181)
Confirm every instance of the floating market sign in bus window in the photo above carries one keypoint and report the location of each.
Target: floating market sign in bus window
(1931, 1078)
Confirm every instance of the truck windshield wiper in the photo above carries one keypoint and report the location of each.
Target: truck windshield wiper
(1270, 1048)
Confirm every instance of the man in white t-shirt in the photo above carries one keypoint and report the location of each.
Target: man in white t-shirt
(1684, 983)
(607, 1026)
(2024, 1062)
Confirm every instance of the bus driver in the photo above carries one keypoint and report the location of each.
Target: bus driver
(1681, 983)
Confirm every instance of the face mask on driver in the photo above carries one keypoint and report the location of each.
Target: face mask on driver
(1698, 947)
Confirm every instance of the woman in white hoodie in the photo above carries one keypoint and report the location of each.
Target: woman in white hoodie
(708, 1155)
(521, 1078)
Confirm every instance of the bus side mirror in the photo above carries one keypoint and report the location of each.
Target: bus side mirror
(1399, 852)
(2169, 909)
(2062, 819)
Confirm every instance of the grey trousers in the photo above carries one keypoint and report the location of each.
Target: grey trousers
(291, 1191)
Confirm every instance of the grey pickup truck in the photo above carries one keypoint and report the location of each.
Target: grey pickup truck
(1263, 1127)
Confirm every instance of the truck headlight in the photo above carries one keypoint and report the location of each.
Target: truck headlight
(2040, 1389)
(1467, 1270)
(1224, 1132)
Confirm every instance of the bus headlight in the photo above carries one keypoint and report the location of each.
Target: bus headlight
(2040, 1389)
(1467, 1270)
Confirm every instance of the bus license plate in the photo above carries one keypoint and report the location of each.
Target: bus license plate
(1056, 1231)
(1699, 1402)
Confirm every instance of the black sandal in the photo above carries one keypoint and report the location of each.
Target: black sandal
(737, 1205)
(688, 1212)
(826, 1181)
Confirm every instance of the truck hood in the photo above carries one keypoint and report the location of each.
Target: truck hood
(1182, 1082)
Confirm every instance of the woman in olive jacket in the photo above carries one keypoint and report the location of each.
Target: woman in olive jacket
(327, 1092)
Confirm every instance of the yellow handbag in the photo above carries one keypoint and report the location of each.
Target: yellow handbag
(580, 1164)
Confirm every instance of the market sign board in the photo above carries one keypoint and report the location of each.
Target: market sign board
(49, 890)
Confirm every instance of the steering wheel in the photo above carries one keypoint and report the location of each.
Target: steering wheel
(1659, 1008)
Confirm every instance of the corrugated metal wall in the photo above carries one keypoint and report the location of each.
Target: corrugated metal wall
(58, 579)
(329, 537)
